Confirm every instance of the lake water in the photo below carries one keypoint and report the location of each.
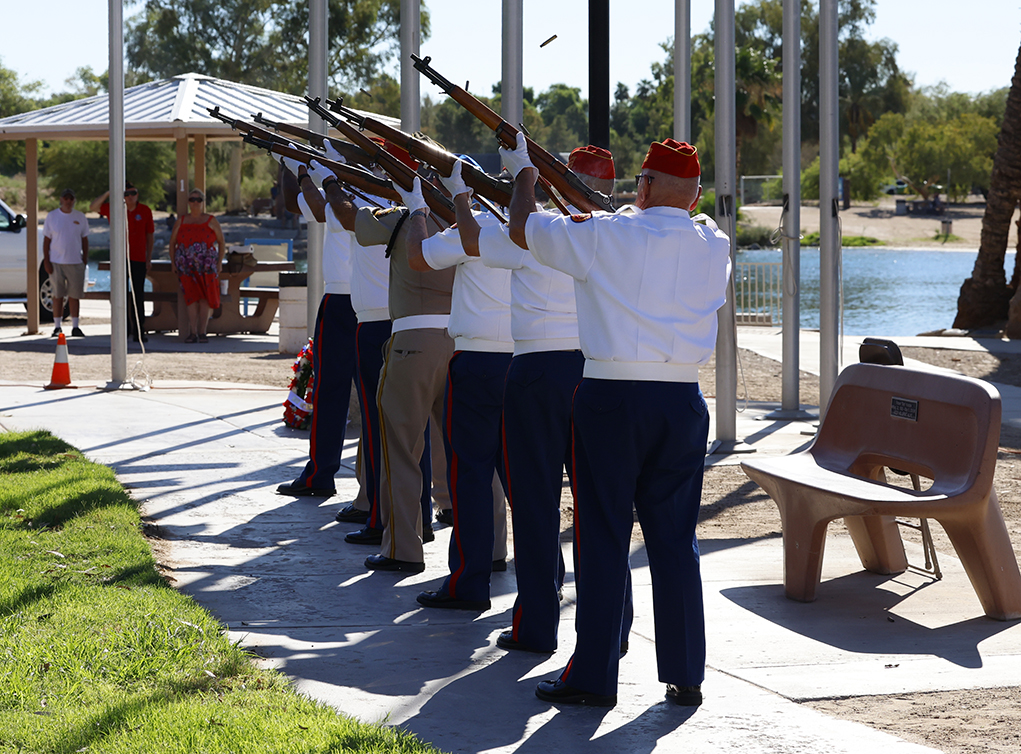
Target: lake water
(886, 291)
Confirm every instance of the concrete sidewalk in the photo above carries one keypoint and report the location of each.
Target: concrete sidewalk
(204, 459)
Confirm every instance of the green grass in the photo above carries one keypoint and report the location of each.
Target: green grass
(99, 654)
(812, 239)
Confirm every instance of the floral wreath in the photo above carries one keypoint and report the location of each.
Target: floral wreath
(298, 406)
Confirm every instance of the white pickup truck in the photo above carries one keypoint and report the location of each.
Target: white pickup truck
(13, 251)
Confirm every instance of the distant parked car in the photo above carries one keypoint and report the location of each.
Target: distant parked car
(13, 252)
(899, 187)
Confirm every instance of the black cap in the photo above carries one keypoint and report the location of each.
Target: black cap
(67, 192)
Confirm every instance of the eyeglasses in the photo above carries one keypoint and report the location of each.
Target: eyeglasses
(646, 176)
(195, 199)
(132, 192)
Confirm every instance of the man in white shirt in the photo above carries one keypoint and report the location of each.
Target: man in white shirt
(65, 256)
(648, 283)
(543, 375)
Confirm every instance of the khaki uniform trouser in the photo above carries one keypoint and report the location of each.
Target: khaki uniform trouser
(411, 386)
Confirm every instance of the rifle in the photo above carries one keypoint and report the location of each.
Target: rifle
(350, 152)
(355, 178)
(561, 177)
(485, 186)
(398, 171)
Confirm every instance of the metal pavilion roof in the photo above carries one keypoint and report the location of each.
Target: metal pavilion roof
(161, 110)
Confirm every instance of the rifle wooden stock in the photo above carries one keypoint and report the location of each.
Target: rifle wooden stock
(443, 161)
(352, 176)
(397, 170)
(561, 177)
(350, 152)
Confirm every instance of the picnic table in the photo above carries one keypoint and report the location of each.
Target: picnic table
(229, 318)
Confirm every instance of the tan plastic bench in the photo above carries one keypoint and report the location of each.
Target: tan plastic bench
(941, 427)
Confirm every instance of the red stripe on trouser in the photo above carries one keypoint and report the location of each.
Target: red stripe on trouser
(452, 471)
(574, 485)
(316, 392)
(370, 449)
(382, 445)
(516, 621)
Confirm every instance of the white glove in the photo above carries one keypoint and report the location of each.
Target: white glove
(517, 159)
(412, 199)
(288, 162)
(332, 153)
(455, 184)
(319, 173)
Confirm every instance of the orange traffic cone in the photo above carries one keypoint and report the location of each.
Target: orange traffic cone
(61, 376)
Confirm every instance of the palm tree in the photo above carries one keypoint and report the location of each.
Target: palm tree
(986, 297)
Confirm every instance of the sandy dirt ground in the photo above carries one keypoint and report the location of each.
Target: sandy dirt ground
(958, 722)
(879, 220)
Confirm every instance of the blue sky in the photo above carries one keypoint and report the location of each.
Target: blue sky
(948, 41)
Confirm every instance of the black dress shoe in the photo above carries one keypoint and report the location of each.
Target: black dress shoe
(685, 696)
(445, 517)
(500, 565)
(428, 535)
(300, 490)
(623, 648)
(559, 692)
(506, 640)
(435, 599)
(351, 515)
(383, 563)
(365, 536)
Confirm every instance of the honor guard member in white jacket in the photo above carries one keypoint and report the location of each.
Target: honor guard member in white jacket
(333, 360)
(648, 282)
(369, 289)
(411, 381)
(480, 324)
(545, 370)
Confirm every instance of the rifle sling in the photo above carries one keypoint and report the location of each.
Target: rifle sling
(397, 229)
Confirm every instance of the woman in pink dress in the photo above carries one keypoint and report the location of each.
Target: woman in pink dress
(196, 253)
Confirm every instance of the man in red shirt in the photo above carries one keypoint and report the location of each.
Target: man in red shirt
(140, 239)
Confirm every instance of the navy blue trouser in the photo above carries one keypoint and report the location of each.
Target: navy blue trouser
(333, 364)
(473, 404)
(537, 440)
(370, 341)
(642, 444)
(537, 448)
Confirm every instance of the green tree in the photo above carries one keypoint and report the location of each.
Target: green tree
(921, 152)
(15, 98)
(565, 115)
(262, 42)
(986, 297)
(84, 166)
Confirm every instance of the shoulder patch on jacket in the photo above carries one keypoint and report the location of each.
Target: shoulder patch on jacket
(582, 217)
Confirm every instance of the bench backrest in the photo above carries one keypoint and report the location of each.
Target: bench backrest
(940, 426)
(269, 250)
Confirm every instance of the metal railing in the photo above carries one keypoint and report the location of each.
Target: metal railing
(758, 293)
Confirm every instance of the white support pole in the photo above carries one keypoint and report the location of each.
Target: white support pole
(726, 218)
(682, 70)
(318, 28)
(790, 398)
(512, 106)
(118, 213)
(829, 223)
(411, 37)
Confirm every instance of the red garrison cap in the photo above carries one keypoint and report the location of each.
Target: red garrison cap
(401, 154)
(593, 161)
(678, 158)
